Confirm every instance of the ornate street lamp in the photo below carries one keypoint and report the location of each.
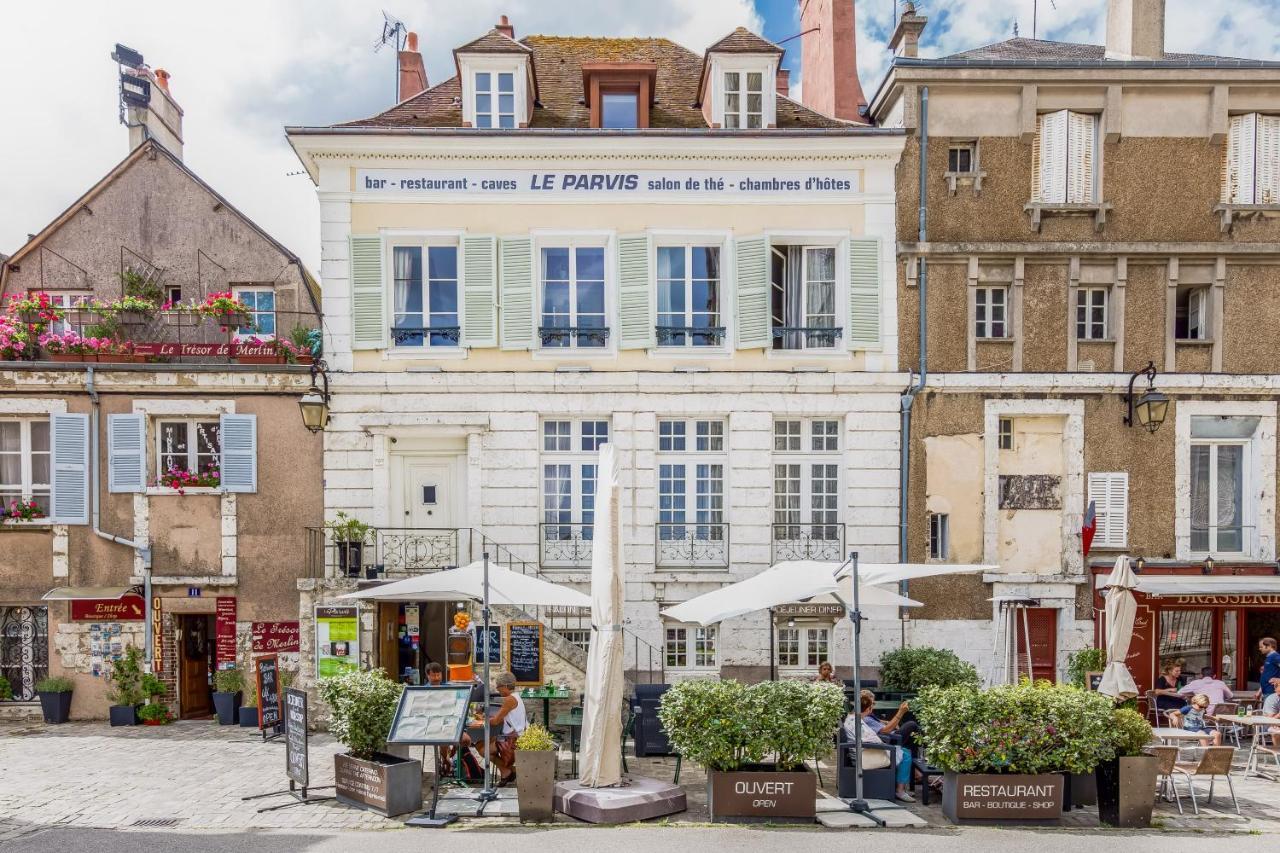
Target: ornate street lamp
(315, 402)
(1150, 409)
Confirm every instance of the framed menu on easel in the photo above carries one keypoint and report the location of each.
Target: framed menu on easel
(431, 716)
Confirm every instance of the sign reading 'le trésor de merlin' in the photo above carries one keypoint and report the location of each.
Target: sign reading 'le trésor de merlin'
(621, 185)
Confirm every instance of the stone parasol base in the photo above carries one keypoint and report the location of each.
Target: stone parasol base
(638, 798)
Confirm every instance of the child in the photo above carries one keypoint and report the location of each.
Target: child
(1192, 718)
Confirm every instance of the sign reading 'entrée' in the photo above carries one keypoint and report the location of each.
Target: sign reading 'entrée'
(629, 184)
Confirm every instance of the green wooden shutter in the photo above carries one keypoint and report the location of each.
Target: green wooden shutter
(515, 277)
(479, 291)
(368, 295)
(864, 294)
(635, 319)
(752, 268)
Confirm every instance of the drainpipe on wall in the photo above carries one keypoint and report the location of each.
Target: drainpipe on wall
(143, 549)
(909, 396)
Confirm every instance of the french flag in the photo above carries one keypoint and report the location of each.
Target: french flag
(1089, 528)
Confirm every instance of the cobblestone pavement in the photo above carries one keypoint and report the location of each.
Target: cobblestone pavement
(191, 776)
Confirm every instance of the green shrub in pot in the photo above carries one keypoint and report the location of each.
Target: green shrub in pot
(708, 722)
(913, 668)
(55, 684)
(794, 720)
(6, 689)
(1082, 662)
(362, 705)
(1130, 732)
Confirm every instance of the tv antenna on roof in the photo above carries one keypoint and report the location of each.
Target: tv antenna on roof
(393, 32)
(1035, 14)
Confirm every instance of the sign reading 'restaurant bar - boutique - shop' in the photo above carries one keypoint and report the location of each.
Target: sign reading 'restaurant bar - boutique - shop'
(613, 185)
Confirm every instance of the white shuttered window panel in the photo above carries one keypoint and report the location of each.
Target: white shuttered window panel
(1109, 493)
(479, 291)
(864, 293)
(126, 453)
(1238, 187)
(1082, 158)
(239, 439)
(751, 262)
(368, 294)
(1267, 160)
(1051, 149)
(70, 493)
(635, 314)
(515, 274)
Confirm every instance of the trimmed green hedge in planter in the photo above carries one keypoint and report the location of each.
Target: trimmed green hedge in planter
(125, 693)
(55, 698)
(362, 704)
(227, 684)
(911, 669)
(1127, 783)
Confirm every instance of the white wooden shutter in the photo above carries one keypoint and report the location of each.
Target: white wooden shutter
(864, 293)
(368, 294)
(1082, 157)
(515, 277)
(479, 291)
(1109, 493)
(1196, 315)
(70, 464)
(635, 313)
(1267, 160)
(751, 267)
(1051, 144)
(239, 439)
(126, 453)
(1241, 150)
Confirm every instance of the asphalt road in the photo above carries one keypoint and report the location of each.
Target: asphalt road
(647, 839)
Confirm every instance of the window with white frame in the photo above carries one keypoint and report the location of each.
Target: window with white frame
(1221, 475)
(580, 637)
(425, 310)
(569, 457)
(689, 306)
(72, 305)
(1191, 317)
(939, 536)
(495, 94)
(803, 297)
(25, 471)
(1004, 434)
(1091, 313)
(573, 297)
(744, 99)
(803, 646)
(1109, 494)
(1065, 158)
(990, 312)
(192, 445)
(962, 158)
(806, 481)
(1251, 171)
(261, 305)
(691, 646)
(691, 488)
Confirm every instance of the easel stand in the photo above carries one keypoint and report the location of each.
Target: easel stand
(299, 795)
(277, 731)
(429, 819)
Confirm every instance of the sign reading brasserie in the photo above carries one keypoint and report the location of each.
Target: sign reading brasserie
(629, 184)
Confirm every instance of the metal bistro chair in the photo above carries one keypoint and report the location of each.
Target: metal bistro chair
(1153, 710)
(1167, 760)
(1261, 751)
(1222, 713)
(1215, 762)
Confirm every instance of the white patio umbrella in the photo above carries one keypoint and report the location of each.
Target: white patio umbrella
(467, 582)
(1121, 608)
(601, 760)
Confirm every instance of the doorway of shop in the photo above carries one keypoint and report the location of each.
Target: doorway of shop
(412, 635)
(1258, 624)
(1042, 624)
(195, 664)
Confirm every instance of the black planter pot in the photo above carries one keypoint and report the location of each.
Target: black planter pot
(249, 717)
(226, 704)
(350, 558)
(371, 573)
(56, 707)
(1126, 790)
(123, 715)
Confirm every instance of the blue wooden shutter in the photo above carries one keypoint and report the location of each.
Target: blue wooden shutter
(751, 261)
(239, 439)
(864, 294)
(479, 292)
(635, 314)
(70, 444)
(126, 453)
(368, 294)
(515, 273)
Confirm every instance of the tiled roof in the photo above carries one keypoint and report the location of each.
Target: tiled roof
(742, 40)
(493, 42)
(558, 62)
(1031, 50)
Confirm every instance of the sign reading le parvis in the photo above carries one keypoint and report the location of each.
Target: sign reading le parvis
(622, 184)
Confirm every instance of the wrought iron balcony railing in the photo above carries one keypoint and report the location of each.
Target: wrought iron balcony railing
(808, 541)
(691, 546)
(565, 545)
(568, 336)
(698, 336)
(425, 336)
(806, 337)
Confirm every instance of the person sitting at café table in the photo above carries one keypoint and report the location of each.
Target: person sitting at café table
(471, 766)
(869, 735)
(1166, 687)
(906, 732)
(1210, 685)
(826, 673)
(511, 716)
(1192, 718)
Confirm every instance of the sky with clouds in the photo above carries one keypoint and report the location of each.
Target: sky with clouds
(243, 69)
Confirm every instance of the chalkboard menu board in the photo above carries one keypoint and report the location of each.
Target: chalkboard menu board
(268, 691)
(524, 652)
(295, 735)
(1093, 679)
(494, 645)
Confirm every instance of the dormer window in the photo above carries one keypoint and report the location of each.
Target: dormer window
(620, 109)
(495, 103)
(619, 94)
(737, 90)
(744, 99)
(499, 84)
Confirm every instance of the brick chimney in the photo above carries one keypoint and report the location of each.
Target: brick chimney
(161, 119)
(1135, 29)
(505, 27)
(413, 74)
(829, 59)
(782, 83)
(905, 41)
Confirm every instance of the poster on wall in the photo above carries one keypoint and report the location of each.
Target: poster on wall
(337, 640)
(225, 632)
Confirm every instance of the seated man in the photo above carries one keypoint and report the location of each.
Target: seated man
(1210, 685)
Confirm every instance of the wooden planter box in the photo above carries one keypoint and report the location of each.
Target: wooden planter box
(995, 798)
(1127, 790)
(388, 785)
(536, 783)
(761, 794)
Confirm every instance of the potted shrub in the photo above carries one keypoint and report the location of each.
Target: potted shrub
(536, 758)
(55, 698)
(227, 684)
(249, 708)
(905, 672)
(1127, 782)
(362, 704)
(1004, 751)
(1081, 663)
(6, 690)
(349, 535)
(125, 692)
(155, 714)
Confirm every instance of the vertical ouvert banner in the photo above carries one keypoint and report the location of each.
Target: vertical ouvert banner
(157, 636)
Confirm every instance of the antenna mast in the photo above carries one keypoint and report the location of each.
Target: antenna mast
(393, 32)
